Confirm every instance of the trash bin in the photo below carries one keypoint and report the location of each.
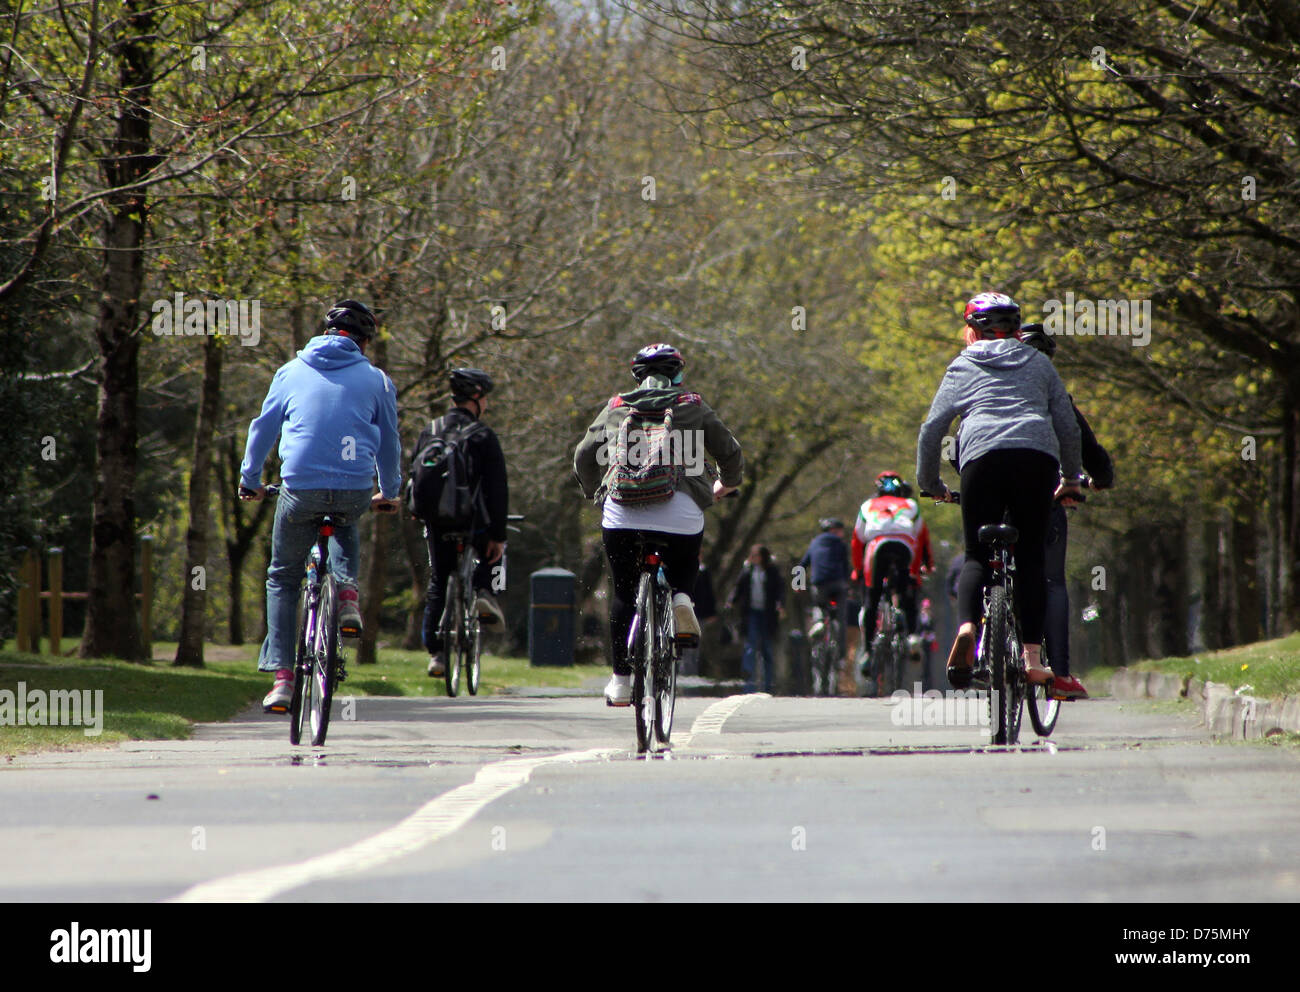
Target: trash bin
(800, 673)
(553, 597)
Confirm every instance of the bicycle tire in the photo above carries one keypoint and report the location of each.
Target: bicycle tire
(1004, 717)
(643, 697)
(300, 666)
(665, 674)
(452, 635)
(325, 661)
(1043, 709)
(473, 654)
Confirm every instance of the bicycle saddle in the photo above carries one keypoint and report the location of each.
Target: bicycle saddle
(998, 534)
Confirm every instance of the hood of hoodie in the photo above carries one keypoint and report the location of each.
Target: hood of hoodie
(1000, 353)
(652, 397)
(331, 351)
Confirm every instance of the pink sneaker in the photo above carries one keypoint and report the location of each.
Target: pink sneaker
(281, 694)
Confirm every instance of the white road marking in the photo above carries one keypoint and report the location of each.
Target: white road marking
(712, 719)
(436, 819)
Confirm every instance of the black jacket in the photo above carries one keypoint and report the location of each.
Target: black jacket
(774, 593)
(487, 465)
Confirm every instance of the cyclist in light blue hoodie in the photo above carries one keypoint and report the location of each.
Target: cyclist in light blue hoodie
(336, 415)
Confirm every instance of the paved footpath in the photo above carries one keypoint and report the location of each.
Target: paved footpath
(542, 798)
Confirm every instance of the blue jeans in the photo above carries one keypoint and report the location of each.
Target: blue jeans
(757, 639)
(291, 541)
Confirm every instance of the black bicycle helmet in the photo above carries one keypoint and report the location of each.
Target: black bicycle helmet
(993, 313)
(353, 317)
(469, 384)
(658, 359)
(1034, 336)
(829, 523)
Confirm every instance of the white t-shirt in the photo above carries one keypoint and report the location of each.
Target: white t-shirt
(758, 588)
(679, 515)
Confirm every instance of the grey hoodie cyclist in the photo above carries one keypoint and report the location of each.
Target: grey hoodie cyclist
(1018, 438)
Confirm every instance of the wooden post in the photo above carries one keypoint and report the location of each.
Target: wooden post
(146, 593)
(26, 592)
(56, 601)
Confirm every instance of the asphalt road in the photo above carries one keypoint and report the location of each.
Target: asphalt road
(543, 798)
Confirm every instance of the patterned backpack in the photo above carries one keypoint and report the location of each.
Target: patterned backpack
(643, 470)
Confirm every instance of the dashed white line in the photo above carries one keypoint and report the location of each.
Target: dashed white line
(434, 820)
(712, 719)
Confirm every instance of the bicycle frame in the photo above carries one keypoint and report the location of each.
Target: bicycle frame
(653, 651)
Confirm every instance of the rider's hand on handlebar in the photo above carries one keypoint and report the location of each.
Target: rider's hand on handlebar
(1068, 492)
(495, 549)
(946, 496)
(720, 491)
(252, 495)
(378, 504)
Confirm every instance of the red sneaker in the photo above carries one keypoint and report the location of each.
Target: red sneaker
(1068, 687)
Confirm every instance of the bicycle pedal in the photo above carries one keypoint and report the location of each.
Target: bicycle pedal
(688, 640)
(275, 709)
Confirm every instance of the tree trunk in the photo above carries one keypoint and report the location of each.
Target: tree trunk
(372, 582)
(112, 621)
(194, 599)
(1245, 543)
(240, 535)
(416, 559)
(1289, 593)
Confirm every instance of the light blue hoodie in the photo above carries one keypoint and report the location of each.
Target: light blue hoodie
(337, 419)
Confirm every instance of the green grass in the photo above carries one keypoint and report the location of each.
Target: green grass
(154, 701)
(1268, 668)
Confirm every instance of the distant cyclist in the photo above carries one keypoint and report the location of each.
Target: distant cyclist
(487, 466)
(890, 538)
(660, 494)
(1097, 463)
(336, 415)
(826, 564)
(1018, 444)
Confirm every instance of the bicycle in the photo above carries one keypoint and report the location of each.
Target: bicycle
(999, 655)
(654, 648)
(887, 651)
(318, 663)
(460, 625)
(826, 650)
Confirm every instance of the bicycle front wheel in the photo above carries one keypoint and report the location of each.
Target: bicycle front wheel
(325, 661)
(301, 676)
(453, 634)
(1043, 709)
(473, 650)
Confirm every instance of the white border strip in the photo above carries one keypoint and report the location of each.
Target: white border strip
(436, 819)
(712, 719)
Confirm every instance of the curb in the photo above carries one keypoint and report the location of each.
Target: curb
(1225, 713)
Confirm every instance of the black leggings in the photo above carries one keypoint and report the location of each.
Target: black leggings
(623, 548)
(1019, 481)
(895, 560)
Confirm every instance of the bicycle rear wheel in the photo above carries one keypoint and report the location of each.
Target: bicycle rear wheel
(665, 673)
(325, 661)
(643, 697)
(1004, 701)
(453, 634)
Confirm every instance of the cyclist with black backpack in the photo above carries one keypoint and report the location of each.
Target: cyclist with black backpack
(458, 484)
(643, 459)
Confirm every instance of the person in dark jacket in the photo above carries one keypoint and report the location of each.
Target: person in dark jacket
(1098, 465)
(827, 567)
(760, 594)
(487, 464)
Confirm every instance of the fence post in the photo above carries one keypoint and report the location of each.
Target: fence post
(146, 593)
(56, 601)
(25, 593)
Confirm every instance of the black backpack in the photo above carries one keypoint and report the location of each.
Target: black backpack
(443, 491)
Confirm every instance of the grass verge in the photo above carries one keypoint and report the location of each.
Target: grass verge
(155, 701)
(1265, 668)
